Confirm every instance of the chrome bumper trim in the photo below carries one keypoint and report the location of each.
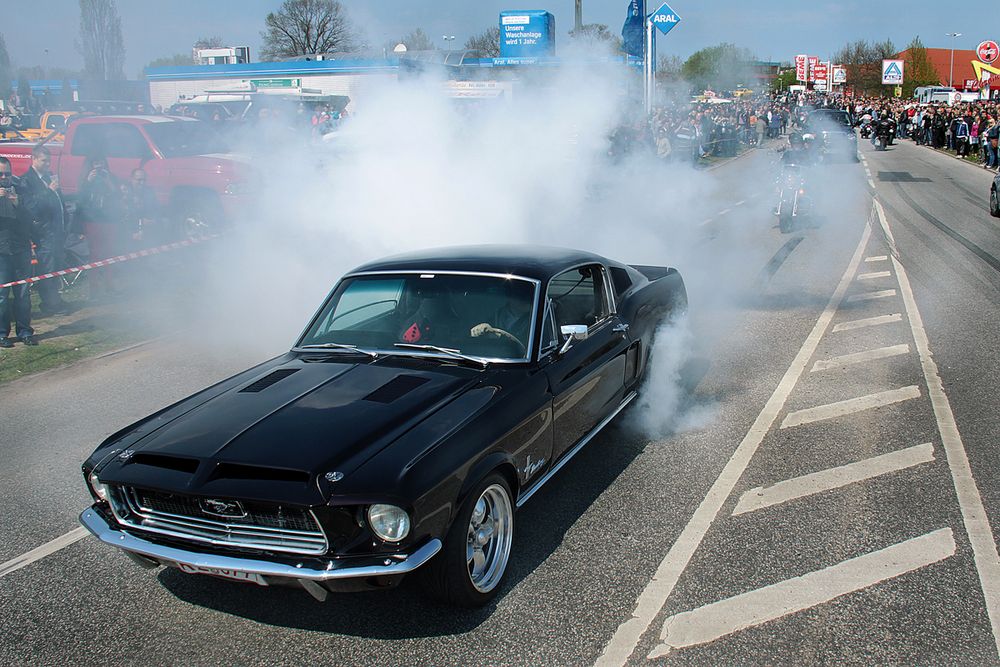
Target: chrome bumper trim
(97, 525)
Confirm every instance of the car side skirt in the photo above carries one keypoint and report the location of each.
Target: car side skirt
(530, 491)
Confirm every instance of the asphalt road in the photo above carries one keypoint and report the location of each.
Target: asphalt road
(820, 489)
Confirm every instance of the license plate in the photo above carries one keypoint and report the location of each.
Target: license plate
(225, 573)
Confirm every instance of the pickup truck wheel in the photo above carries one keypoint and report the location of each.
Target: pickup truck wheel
(473, 561)
(994, 203)
(196, 215)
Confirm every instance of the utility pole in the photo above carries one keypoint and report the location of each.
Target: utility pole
(579, 16)
(951, 70)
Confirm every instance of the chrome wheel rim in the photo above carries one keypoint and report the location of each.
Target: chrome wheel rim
(491, 530)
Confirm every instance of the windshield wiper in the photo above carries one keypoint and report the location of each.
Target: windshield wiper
(444, 350)
(338, 346)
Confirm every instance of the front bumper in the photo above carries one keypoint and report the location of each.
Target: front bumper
(314, 571)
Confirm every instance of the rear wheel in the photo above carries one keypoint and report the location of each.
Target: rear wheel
(473, 561)
(994, 203)
(196, 214)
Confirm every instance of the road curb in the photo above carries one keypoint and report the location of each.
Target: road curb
(944, 152)
(79, 362)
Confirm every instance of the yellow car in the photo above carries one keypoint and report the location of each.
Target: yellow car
(52, 121)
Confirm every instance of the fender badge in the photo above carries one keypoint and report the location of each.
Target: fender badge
(333, 476)
(126, 455)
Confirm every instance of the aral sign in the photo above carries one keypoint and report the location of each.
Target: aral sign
(664, 18)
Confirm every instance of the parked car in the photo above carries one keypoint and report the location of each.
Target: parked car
(995, 197)
(430, 396)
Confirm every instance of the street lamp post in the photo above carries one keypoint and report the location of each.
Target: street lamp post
(447, 39)
(951, 70)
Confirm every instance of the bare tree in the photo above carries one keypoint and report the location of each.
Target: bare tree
(101, 41)
(596, 37)
(213, 42)
(301, 27)
(487, 42)
(4, 69)
(418, 41)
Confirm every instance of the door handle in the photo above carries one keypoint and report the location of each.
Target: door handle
(620, 328)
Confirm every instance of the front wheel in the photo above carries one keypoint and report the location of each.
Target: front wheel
(881, 143)
(785, 221)
(473, 561)
(994, 203)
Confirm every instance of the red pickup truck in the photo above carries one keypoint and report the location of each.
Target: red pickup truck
(184, 159)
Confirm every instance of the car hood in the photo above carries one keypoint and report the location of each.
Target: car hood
(272, 433)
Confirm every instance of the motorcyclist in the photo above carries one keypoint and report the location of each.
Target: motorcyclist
(884, 128)
(797, 152)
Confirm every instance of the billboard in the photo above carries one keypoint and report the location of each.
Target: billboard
(801, 67)
(813, 61)
(527, 34)
(839, 74)
(892, 72)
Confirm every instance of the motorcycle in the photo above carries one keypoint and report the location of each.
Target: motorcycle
(866, 129)
(883, 132)
(793, 202)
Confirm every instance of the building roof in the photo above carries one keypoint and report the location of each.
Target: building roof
(941, 61)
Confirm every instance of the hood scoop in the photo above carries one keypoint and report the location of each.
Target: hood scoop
(266, 381)
(395, 388)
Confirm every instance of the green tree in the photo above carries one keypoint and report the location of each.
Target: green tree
(418, 40)
(303, 27)
(595, 37)
(785, 78)
(4, 69)
(101, 41)
(487, 43)
(176, 60)
(722, 67)
(918, 70)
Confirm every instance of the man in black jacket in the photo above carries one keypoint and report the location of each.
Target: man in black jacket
(44, 206)
(15, 262)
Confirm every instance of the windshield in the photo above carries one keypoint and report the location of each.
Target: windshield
(830, 118)
(478, 315)
(183, 138)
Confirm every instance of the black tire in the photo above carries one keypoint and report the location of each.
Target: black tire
(785, 222)
(449, 575)
(994, 203)
(196, 214)
(881, 143)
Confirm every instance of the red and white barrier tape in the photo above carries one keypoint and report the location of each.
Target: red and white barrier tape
(111, 260)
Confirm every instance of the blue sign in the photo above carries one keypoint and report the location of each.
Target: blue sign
(632, 38)
(664, 18)
(527, 34)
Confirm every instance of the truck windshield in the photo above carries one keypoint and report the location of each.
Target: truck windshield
(185, 138)
(485, 316)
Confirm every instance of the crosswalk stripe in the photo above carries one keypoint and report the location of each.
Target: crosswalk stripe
(869, 296)
(833, 478)
(868, 322)
(850, 406)
(877, 258)
(860, 357)
(873, 275)
(718, 619)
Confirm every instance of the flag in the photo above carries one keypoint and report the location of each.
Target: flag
(633, 32)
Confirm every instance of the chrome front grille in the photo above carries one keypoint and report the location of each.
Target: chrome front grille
(266, 527)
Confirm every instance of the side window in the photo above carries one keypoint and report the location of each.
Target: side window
(550, 334)
(125, 141)
(578, 296)
(621, 281)
(88, 140)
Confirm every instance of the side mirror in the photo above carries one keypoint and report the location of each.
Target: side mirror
(572, 332)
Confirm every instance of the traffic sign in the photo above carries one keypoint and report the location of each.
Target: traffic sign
(664, 18)
(892, 72)
(988, 51)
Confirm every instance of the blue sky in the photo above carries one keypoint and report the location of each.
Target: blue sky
(773, 29)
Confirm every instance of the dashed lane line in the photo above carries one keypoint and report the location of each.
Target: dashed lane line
(877, 258)
(725, 617)
(833, 478)
(974, 517)
(867, 322)
(46, 549)
(860, 357)
(658, 590)
(850, 406)
(873, 275)
(870, 296)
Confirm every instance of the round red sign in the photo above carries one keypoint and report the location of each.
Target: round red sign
(988, 51)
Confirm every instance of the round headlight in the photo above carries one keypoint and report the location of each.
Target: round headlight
(389, 522)
(99, 489)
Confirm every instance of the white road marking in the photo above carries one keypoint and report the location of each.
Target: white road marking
(833, 478)
(877, 258)
(46, 549)
(740, 202)
(725, 617)
(869, 296)
(977, 523)
(860, 357)
(873, 275)
(867, 322)
(724, 211)
(871, 183)
(850, 406)
(884, 224)
(706, 221)
(658, 590)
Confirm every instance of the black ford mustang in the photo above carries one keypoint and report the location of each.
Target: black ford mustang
(430, 395)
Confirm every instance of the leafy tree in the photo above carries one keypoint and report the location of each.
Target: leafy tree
(417, 41)
(101, 41)
(918, 70)
(4, 69)
(487, 42)
(785, 78)
(302, 27)
(723, 67)
(595, 37)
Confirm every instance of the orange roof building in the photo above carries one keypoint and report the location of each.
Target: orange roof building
(941, 61)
